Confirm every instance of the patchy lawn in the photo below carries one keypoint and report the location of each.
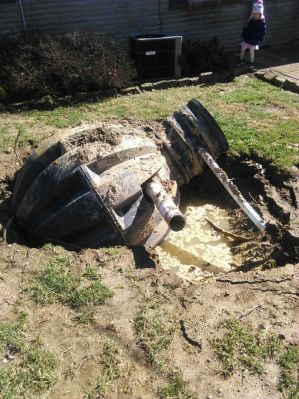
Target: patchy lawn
(112, 323)
(254, 115)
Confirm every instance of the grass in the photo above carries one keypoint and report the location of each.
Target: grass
(8, 137)
(32, 368)
(110, 359)
(55, 284)
(58, 283)
(254, 115)
(110, 253)
(11, 334)
(153, 335)
(85, 316)
(289, 363)
(6, 265)
(175, 389)
(240, 348)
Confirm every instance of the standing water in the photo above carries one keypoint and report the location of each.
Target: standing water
(198, 251)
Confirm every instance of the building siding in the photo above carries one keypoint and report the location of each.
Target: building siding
(122, 18)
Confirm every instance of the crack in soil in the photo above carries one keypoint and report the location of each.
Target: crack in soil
(275, 291)
(252, 282)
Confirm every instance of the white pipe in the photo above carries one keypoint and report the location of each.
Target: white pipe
(165, 205)
(23, 15)
(233, 190)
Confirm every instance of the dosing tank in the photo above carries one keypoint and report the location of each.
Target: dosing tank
(113, 182)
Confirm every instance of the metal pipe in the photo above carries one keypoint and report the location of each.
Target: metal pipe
(23, 15)
(233, 190)
(165, 205)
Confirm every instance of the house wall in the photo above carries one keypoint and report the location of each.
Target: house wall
(124, 17)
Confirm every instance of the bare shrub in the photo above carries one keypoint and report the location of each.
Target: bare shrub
(40, 64)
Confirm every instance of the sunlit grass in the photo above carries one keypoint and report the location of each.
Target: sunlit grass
(8, 137)
(289, 362)
(175, 389)
(110, 371)
(153, 335)
(241, 348)
(32, 367)
(58, 283)
(254, 115)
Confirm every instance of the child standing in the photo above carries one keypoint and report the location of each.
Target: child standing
(253, 33)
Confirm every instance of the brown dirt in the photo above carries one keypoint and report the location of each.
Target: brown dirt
(94, 135)
(265, 276)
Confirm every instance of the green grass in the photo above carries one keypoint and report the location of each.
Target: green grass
(254, 115)
(55, 284)
(175, 389)
(240, 348)
(85, 316)
(112, 253)
(11, 334)
(110, 359)
(8, 137)
(289, 363)
(153, 335)
(32, 369)
(95, 294)
(58, 283)
(90, 273)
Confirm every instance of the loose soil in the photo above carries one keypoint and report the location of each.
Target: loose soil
(263, 275)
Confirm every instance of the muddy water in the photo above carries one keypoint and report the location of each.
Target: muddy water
(198, 251)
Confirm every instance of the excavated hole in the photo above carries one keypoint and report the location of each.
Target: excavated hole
(198, 251)
(219, 237)
(204, 248)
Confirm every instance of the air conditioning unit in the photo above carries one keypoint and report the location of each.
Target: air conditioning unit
(157, 56)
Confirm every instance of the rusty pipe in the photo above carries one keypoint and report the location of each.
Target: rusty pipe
(165, 205)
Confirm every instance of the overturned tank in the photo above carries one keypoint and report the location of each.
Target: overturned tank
(92, 186)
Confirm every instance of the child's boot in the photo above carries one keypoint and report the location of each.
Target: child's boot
(241, 63)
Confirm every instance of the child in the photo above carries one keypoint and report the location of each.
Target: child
(253, 33)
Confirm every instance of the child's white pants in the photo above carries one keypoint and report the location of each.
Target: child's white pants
(251, 53)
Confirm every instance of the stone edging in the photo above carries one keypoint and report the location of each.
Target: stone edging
(203, 78)
(48, 102)
(277, 79)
